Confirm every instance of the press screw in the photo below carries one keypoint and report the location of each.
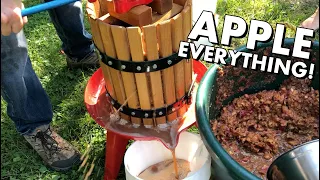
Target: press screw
(112, 102)
(146, 115)
(169, 62)
(123, 67)
(138, 68)
(160, 113)
(110, 63)
(173, 109)
(133, 113)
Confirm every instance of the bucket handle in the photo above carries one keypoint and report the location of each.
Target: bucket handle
(45, 6)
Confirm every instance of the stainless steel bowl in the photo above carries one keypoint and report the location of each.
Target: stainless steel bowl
(301, 162)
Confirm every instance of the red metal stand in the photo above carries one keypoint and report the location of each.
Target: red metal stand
(98, 106)
(115, 149)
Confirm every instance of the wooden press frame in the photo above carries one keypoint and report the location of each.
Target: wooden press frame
(151, 42)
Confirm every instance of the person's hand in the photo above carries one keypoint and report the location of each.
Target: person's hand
(312, 22)
(11, 20)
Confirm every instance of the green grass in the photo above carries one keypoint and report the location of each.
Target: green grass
(66, 87)
(289, 12)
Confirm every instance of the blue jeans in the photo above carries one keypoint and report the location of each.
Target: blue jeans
(28, 104)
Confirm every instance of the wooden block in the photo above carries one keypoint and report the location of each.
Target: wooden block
(107, 18)
(119, 33)
(137, 16)
(90, 10)
(165, 49)
(93, 9)
(180, 2)
(157, 18)
(161, 6)
(135, 42)
(103, 7)
(150, 35)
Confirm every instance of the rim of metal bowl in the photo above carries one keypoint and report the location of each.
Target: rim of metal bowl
(203, 121)
(291, 150)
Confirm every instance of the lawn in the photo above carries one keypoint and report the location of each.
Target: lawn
(66, 87)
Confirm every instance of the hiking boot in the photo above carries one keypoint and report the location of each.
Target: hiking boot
(89, 61)
(56, 152)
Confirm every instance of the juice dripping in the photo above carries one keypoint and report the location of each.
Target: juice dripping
(175, 164)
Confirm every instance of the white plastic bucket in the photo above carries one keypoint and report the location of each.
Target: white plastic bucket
(142, 154)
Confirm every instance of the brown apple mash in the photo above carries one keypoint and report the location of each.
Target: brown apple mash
(254, 129)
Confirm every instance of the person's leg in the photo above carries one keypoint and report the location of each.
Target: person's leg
(77, 43)
(29, 106)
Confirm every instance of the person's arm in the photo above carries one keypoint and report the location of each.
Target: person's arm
(11, 20)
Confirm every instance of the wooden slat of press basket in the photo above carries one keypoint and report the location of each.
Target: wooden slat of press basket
(116, 79)
(177, 36)
(150, 37)
(186, 16)
(93, 14)
(108, 47)
(176, 80)
(136, 48)
(93, 11)
(123, 53)
(165, 49)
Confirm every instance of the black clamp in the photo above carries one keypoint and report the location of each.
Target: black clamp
(143, 66)
(153, 113)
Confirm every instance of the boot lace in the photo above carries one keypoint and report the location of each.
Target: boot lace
(47, 142)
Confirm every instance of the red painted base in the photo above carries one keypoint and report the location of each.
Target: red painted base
(96, 105)
(115, 149)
